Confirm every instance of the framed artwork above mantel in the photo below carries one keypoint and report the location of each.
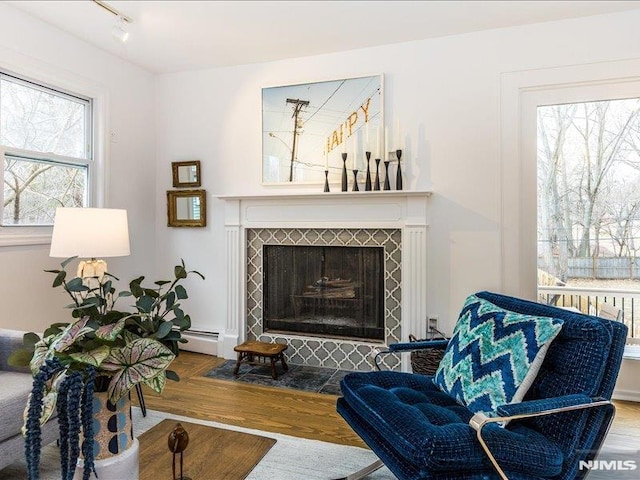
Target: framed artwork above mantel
(306, 128)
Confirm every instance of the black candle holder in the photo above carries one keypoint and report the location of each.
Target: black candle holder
(326, 180)
(399, 172)
(367, 178)
(344, 172)
(387, 184)
(355, 181)
(376, 182)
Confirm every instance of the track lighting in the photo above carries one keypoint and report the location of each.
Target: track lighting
(119, 31)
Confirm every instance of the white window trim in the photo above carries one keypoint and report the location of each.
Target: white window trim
(41, 72)
(520, 94)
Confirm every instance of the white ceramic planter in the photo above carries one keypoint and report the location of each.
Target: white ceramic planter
(125, 465)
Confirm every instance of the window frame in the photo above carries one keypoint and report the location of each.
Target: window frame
(51, 80)
(521, 92)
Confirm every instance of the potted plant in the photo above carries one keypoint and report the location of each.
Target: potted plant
(97, 359)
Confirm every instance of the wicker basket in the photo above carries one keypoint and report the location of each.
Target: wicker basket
(426, 361)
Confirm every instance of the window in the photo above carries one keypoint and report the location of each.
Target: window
(589, 207)
(589, 190)
(45, 136)
(592, 105)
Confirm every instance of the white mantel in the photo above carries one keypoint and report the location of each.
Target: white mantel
(404, 210)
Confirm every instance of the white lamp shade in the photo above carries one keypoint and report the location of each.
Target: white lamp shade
(90, 233)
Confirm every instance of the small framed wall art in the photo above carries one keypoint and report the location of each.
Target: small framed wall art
(186, 174)
(187, 208)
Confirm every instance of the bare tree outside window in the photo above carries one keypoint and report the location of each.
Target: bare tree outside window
(589, 208)
(588, 182)
(46, 138)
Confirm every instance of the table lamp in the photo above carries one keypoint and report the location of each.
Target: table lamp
(90, 233)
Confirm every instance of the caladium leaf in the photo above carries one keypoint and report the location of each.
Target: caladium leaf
(48, 406)
(41, 353)
(49, 400)
(157, 383)
(71, 334)
(142, 359)
(129, 336)
(110, 332)
(46, 348)
(94, 357)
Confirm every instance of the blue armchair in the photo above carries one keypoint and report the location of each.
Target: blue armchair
(420, 432)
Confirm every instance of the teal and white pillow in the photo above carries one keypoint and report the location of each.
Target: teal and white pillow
(494, 355)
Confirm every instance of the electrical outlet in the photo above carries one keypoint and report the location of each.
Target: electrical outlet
(432, 324)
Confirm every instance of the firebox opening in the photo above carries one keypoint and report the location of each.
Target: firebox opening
(327, 291)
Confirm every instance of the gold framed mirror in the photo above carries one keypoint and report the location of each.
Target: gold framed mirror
(186, 174)
(187, 208)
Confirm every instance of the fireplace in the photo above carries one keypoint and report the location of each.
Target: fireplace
(345, 251)
(392, 222)
(329, 291)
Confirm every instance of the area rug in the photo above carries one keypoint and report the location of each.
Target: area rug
(290, 458)
(298, 377)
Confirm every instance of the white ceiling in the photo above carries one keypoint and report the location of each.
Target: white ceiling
(172, 36)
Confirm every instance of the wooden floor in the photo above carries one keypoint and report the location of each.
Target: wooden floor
(279, 410)
(291, 412)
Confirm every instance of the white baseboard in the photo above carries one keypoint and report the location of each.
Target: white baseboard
(200, 342)
(628, 395)
(226, 343)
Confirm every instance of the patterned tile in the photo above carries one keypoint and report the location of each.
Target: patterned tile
(330, 352)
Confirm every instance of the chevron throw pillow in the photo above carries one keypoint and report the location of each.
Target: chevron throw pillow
(494, 355)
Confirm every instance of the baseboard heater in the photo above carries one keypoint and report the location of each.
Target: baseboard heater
(200, 341)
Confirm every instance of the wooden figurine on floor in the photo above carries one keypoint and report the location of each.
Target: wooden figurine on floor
(178, 441)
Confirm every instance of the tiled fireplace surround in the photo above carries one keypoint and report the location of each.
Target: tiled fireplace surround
(394, 220)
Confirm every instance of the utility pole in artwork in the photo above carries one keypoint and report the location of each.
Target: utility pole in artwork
(297, 106)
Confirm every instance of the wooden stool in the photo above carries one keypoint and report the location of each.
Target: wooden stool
(272, 351)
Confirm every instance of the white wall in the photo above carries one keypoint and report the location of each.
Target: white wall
(31, 47)
(627, 386)
(445, 91)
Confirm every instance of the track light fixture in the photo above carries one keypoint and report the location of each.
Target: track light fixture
(119, 30)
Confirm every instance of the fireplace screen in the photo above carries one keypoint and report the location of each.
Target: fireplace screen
(326, 291)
